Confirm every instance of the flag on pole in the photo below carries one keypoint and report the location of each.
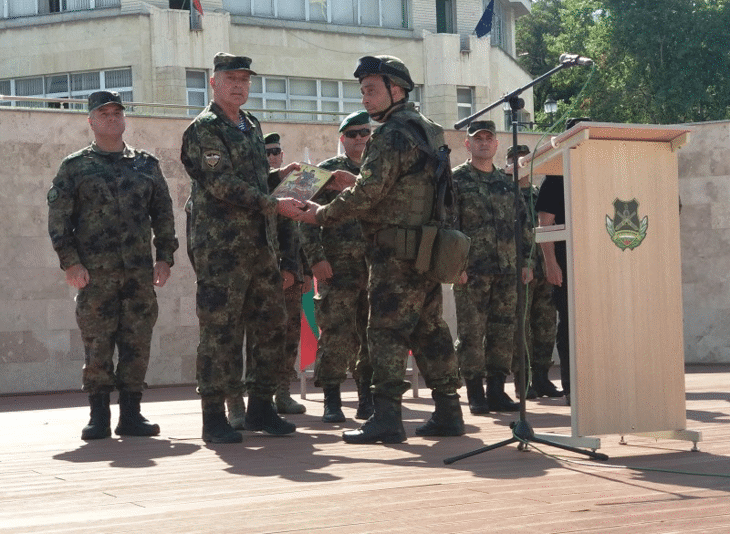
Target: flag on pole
(198, 7)
(484, 26)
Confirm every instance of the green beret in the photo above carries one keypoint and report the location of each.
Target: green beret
(478, 126)
(223, 61)
(272, 138)
(355, 119)
(102, 98)
(522, 150)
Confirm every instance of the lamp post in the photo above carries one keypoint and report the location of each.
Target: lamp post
(550, 107)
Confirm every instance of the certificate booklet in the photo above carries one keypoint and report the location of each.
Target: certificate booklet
(304, 184)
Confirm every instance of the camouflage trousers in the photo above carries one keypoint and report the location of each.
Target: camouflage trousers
(485, 324)
(116, 308)
(341, 309)
(406, 312)
(239, 293)
(540, 326)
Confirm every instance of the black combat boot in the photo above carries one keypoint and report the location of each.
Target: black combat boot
(215, 425)
(364, 400)
(475, 394)
(543, 386)
(446, 419)
(531, 393)
(261, 415)
(497, 399)
(333, 405)
(99, 426)
(131, 421)
(385, 425)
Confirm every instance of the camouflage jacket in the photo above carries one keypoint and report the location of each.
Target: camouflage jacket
(322, 243)
(104, 206)
(487, 215)
(230, 203)
(396, 183)
(529, 194)
(289, 238)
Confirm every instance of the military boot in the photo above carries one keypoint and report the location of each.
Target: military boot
(497, 399)
(543, 386)
(284, 402)
(131, 421)
(531, 393)
(99, 426)
(236, 411)
(446, 419)
(364, 400)
(385, 425)
(215, 425)
(261, 416)
(475, 395)
(333, 405)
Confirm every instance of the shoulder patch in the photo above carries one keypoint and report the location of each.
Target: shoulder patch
(52, 195)
(212, 158)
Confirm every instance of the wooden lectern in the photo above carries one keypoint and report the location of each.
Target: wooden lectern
(624, 278)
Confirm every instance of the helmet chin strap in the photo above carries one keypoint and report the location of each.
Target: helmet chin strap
(380, 115)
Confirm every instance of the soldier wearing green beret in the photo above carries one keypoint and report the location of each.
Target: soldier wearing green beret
(393, 198)
(106, 201)
(337, 256)
(486, 297)
(540, 310)
(233, 245)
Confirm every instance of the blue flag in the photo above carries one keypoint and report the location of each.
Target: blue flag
(484, 26)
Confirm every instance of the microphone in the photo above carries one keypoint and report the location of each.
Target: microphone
(575, 59)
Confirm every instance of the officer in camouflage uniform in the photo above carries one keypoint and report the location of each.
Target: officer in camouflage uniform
(105, 202)
(233, 244)
(393, 198)
(486, 298)
(297, 280)
(540, 319)
(337, 256)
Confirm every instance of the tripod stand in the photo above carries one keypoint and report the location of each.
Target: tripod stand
(522, 432)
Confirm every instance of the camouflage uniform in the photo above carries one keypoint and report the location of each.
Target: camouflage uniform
(405, 307)
(486, 305)
(102, 210)
(233, 244)
(341, 305)
(540, 323)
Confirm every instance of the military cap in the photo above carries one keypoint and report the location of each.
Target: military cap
(355, 119)
(522, 150)
(478, 126)
(272, 138)
(389, 66)
(223, 61)
(98, 99)
(575, 120)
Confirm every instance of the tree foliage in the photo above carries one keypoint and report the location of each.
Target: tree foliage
(659, 62)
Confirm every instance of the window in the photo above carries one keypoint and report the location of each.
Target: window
(444, 16)
(501, 34)
(25, 8)
(384, 13)
(464, 101)
(197, 89)
(69, 85)
(523, 120)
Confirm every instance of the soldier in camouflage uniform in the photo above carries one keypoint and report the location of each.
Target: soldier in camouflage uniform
(486, 298)
(233, 244)
(337, 256)
(393, 197)
(105, 202)
(297, 280)
(540, 318)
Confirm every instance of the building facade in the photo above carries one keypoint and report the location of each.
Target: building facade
(304, 51)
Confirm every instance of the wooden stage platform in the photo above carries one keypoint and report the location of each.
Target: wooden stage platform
(312, 482)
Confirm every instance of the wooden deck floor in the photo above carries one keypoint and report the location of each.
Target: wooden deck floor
(312, 482)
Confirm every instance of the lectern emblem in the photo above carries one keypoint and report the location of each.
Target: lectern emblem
(626, 230)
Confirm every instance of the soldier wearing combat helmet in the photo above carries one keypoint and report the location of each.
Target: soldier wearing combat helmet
(393, 198)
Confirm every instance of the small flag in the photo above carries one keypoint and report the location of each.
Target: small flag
(199, 8)
(484, 26)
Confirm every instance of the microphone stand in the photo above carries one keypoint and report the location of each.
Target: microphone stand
(522, 432)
